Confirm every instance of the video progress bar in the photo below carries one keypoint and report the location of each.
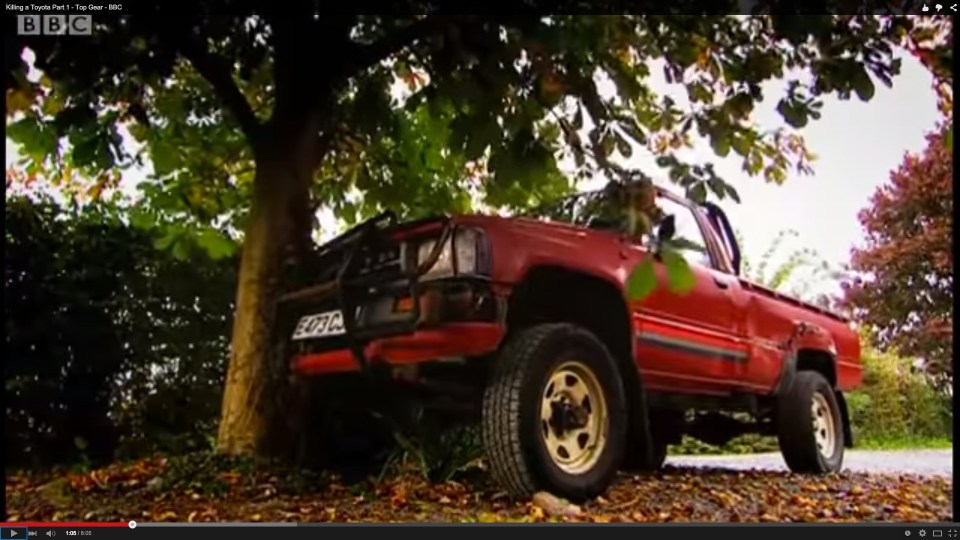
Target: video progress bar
(208, 524)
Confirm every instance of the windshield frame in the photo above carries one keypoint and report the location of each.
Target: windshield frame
(715, 240)
(549, 210)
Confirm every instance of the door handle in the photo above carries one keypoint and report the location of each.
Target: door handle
(721, 283)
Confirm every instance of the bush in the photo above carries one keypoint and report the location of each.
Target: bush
(897, 402)
(896, 406)
(111, 345)
(746, 444)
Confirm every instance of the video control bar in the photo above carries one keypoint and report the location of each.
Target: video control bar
(443, 531)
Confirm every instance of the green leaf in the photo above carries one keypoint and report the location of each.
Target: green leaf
(460, 128)
(623, 146)
(167, 240)
(717, 186)
(631, 127)
(643, 280)
(754, 163)
(740, 145)
(862, 84)
(216, 244)
(732, 192)
(165, 158)
(699, 93)
(24, 132)
(948, 139)
(607, 144)
(503, 166)
(794, 116)
(36, 140)
(720, 143)
(698, 193)
(181, 249)
(681, 277)
(141, 219)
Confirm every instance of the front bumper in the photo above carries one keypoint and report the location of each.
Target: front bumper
(455, 339)
(390, 317)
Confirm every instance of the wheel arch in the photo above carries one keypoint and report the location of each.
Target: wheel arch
(552, 293)
(824, 362)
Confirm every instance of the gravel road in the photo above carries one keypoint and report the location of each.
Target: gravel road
(921, 462)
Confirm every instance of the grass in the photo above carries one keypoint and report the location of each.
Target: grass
(904, 443)
(759, 445)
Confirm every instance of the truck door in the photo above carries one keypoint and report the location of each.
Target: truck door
(691, 342)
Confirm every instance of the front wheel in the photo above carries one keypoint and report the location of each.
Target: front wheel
(554, 414)
(809, 426)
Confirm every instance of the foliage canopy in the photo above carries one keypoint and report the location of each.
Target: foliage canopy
(255, 119)
(905, 294)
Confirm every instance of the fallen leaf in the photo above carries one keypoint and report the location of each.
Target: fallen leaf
(675, 494)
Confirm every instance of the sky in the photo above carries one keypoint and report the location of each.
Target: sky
(858, 145)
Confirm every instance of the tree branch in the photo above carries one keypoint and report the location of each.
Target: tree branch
(367, 55)
(217, 71)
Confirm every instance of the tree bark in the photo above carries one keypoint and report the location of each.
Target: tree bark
(256, 376)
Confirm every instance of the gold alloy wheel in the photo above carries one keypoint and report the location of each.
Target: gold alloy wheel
(824, 431)
(573, 417)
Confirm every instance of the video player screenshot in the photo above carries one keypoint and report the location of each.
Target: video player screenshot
(673, 268)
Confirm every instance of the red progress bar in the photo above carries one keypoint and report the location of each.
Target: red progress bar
(66, 524)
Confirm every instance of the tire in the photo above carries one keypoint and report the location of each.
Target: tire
(809, 426)
(527, 453)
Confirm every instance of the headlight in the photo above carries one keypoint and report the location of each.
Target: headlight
(458, 254)
(444, 265)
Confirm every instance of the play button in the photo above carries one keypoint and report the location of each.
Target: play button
(13, 532)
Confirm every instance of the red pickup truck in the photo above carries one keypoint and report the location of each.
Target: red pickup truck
(526, 325)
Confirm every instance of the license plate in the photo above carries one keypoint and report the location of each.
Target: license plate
(320, 325)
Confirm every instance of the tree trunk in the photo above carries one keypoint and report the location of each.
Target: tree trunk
(256, 377)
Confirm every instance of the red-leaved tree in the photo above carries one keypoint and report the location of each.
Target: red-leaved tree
(904, 296)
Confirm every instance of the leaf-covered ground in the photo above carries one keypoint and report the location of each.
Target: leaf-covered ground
(205, 488)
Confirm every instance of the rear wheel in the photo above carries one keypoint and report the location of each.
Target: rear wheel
(809, 426)
(554, 414)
